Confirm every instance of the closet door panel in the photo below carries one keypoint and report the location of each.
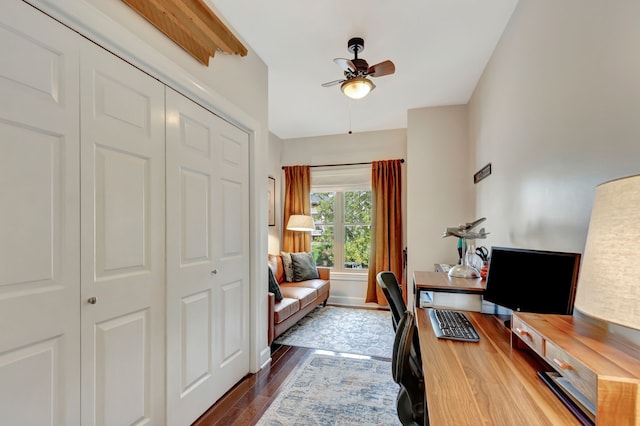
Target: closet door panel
(207, 219)
(39, 225)
(231, 253)
(191, 172)
(122, 346)
(122, 202)
(122, 130)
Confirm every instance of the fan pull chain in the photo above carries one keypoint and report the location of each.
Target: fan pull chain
(350, 132)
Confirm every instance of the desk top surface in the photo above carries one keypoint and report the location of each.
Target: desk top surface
(485, 383)
(442, 281)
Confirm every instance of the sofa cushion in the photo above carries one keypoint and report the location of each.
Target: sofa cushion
(305, 295)
(287, 266)
(304, 266)
(275, 261)
(322, 286)
(274, 287)
(284, 309)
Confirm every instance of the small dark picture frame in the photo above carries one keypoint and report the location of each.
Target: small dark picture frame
(482, 173)
(271, 191)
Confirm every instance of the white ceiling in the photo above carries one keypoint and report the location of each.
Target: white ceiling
(439, 48)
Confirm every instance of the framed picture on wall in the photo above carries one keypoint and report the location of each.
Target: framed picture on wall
(272, 201)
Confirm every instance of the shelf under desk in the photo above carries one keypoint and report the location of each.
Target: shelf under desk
(437, 289)
(485, 383)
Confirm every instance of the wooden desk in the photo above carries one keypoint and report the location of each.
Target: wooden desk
(604, 367)
(485, 383)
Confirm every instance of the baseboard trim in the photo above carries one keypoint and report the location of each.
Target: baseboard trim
(352, 302)
(265, 357)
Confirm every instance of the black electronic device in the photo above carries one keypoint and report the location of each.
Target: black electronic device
(532, 280)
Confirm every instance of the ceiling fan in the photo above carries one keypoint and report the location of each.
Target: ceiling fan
(355, 83)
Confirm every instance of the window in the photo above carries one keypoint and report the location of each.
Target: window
(342, 215)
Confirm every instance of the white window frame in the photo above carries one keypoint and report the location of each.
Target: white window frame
(340, 180)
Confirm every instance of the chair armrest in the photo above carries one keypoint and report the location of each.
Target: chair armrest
(324, 272)
(270, 321)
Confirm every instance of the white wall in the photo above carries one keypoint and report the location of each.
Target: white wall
(275, 171)
(347, 288)
(556, 113)
(440, 184)
(345, 148)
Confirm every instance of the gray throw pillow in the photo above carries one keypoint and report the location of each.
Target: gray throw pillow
(304, 267)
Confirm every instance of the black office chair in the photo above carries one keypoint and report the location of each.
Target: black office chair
(393, 292)
(410, 402)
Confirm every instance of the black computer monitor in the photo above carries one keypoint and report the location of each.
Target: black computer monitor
(532, 280)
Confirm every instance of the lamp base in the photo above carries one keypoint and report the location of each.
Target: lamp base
(464, 271)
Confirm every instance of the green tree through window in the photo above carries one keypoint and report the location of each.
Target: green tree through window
(343, 229)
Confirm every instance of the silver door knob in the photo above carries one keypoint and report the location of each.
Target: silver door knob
(215, 271)
(92, 300)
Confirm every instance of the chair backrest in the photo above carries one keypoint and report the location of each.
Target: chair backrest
(410, 380)
(393, 292)
(402, 347)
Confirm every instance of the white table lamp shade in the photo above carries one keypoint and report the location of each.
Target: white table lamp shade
(300, 222)
(609, 281)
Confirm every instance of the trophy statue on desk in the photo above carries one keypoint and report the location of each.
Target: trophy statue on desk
(467, 237)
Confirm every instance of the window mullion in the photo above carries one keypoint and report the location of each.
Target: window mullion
(338, 219)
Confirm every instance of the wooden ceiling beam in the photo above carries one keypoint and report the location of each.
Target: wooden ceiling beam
(157, 15)
(221, 34)
(191, 25)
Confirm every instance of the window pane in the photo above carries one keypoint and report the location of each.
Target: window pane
(322, 238)
(322, 245)
(357, 207)
(356, 246)
(357, 232)
(322, 206)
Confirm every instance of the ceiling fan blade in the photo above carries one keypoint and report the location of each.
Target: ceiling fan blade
(345, 64)
(383, 68)
(333, 83)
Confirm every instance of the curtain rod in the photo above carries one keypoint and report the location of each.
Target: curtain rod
(343, 164)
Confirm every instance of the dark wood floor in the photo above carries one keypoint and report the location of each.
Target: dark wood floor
(247, 401)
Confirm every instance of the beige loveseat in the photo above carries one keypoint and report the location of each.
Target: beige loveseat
(298, 298)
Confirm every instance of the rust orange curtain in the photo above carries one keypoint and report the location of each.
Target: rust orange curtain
(296, 201)
(386, 227)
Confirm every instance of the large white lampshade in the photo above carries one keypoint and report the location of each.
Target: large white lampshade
(300, 222)
(609, 281)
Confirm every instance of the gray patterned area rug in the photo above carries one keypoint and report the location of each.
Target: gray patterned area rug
(336, 390)
(348, 330)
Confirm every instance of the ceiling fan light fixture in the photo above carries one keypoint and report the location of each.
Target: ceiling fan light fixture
(357, 87)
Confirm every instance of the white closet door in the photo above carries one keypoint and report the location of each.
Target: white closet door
(231, 254)
(39, 220)
(122, 225)
(207, 258)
